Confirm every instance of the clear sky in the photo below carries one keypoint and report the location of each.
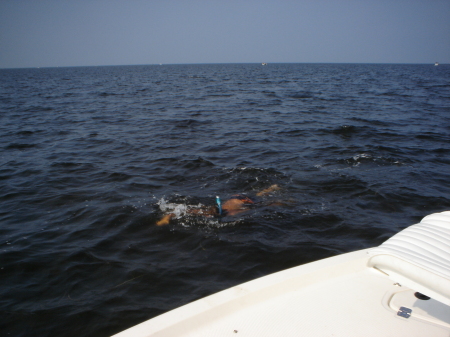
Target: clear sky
(50, 33)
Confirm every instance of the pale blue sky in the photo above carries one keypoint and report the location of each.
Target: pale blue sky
(50, 33)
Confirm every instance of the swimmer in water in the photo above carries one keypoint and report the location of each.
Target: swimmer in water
(238, 203)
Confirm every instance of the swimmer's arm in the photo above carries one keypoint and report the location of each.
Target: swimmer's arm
(165, 219)
(268, 190)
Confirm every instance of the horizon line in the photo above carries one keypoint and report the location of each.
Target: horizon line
(215, 63)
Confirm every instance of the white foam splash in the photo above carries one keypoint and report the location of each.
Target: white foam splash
(179, 210)
(362, 155)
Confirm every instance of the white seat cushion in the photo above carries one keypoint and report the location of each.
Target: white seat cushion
(418, 257)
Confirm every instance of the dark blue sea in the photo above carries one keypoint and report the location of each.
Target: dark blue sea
(92, 157)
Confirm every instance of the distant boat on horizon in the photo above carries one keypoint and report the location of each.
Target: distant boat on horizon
(436, 63)
(264, 64)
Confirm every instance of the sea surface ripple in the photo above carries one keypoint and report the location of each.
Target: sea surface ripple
(92, 156)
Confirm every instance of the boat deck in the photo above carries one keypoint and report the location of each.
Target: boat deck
(338, 296)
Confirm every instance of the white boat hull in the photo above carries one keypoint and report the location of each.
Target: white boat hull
(338, 296)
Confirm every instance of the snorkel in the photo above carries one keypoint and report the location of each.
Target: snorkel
(219, 205)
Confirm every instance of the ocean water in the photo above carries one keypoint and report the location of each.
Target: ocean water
(91, 158)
